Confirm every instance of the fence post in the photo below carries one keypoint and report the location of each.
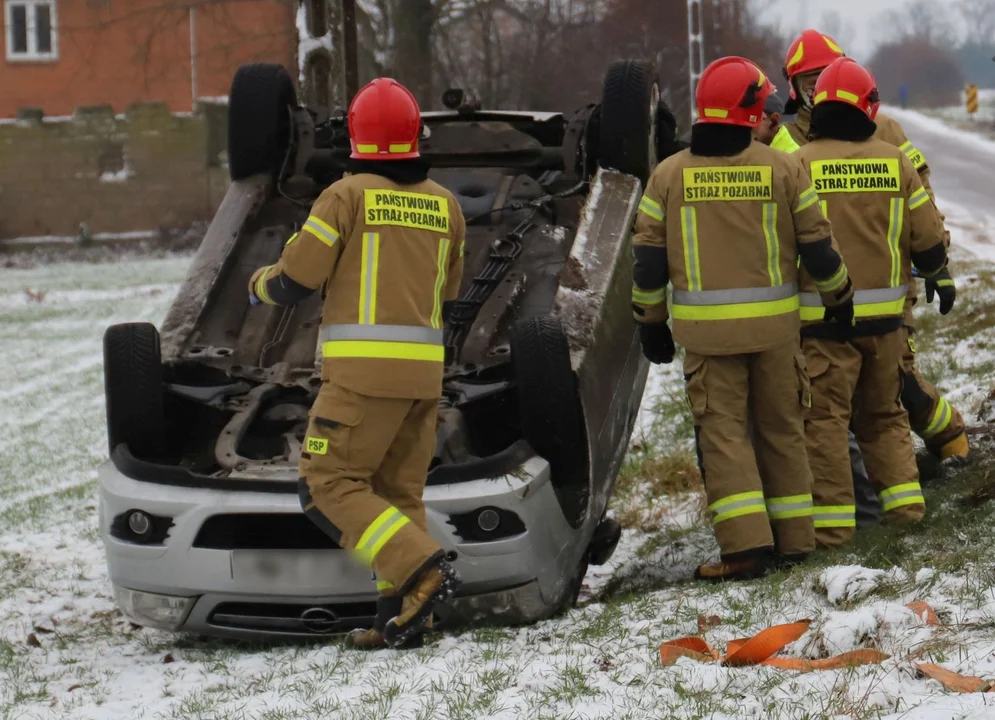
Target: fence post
(972, 98)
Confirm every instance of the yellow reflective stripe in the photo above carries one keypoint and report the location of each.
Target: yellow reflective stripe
(807, 199)
(651, 208)
(738, 505)
(820, 97)
(716, 113)
(383, 585)
(773, 245)
(368, 279)
(919, 198)
(913, 154)
(378, 523)
(261, 291)
(797, 57)
(367, 148)
(826, 516)
(440, 281)
(292, 238)
(321, 230)
(689, 233)
(845, 95)
(379, 533)
(399, 147)
(825, 207)
(791, 506)
(901, 495)
(382, 350)
(833, 283)
(894, 237)
(648, 297)
(737, 311)
(940, 419)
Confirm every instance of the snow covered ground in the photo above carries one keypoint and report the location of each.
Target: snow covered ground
(65, 652)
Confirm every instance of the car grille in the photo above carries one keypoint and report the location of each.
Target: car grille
(262, 531)
(331, 619)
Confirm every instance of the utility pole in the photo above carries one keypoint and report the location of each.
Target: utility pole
(696, 51)
(350, 47)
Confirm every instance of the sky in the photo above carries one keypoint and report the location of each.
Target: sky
(861, 14)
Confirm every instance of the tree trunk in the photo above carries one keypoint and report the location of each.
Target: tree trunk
(413, 24)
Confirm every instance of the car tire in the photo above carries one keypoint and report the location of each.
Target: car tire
(630, 103)
(552, 417)
(572, 592)
(133, 388)
(259, 102)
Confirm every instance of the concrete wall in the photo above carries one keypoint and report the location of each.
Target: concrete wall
(147, 169)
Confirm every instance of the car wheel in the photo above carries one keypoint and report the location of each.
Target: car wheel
(259, 104)
(574, 586)
(133, 388)
(630, 103)
(552, 417)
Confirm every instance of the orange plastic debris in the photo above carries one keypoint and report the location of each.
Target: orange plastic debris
(762, 647)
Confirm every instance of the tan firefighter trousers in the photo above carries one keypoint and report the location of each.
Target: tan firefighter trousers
(868, 371)
(931, 416)
(762, 498)
(363, 469)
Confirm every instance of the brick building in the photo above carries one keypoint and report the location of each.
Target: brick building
(61, 54)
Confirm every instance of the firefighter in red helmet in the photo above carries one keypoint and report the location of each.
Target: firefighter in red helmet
(932, 417)
(726, 222)
(386, 243)
(885, 223)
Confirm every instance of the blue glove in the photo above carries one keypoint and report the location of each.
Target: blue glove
(915, 273)
(253, 300)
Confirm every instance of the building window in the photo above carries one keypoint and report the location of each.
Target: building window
(32, 31)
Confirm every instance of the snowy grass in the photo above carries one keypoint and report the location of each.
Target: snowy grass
(65, 651)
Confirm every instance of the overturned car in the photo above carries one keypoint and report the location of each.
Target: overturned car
(544, 376)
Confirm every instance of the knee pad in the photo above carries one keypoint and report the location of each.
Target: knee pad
(914, 399)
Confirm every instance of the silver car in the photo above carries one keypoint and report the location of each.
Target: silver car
(199, 510)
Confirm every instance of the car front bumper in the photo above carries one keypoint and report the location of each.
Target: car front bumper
(259, 591)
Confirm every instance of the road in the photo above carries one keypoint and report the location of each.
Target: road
(963, 167)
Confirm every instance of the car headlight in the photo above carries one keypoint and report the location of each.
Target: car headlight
(162, 612)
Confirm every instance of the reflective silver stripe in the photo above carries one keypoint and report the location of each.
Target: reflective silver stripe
(368, 279)
(860, 297)
(785, 507)
(894, 236)
(735, 297)
(386, 333)
(689, 231)
(817, 516)
(898, 496)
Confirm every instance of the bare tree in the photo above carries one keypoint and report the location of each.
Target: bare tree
(979, 17)
(920, 20)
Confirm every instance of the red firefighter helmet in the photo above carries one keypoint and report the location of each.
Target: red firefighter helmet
(811, 51)
(384, 122)
(847, 82)
(732, 91)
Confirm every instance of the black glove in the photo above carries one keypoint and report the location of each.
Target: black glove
(842, 314)
(943, 285)
(658, 343)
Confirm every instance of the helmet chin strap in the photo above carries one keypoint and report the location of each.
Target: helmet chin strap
(804, 98)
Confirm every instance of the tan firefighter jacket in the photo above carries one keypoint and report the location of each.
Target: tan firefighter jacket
(727, 233)
(882, 218)
(892, 132)
(388, 256)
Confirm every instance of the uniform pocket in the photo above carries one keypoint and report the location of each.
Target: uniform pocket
(334, 413)
(695, 369)
(804, 384)
(816, 365)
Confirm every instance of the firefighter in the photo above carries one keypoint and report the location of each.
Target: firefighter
(386, 245)
(725, 222)
(885, 222)
(771, 130)
(932, 417)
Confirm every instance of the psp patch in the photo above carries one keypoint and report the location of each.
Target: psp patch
(749, 182)
(852, 176)
(316, 446)
(407, 209)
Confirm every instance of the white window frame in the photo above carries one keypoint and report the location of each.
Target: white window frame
(32, 55)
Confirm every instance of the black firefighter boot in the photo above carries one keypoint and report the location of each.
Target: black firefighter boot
(434, 585)
(738, 566)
